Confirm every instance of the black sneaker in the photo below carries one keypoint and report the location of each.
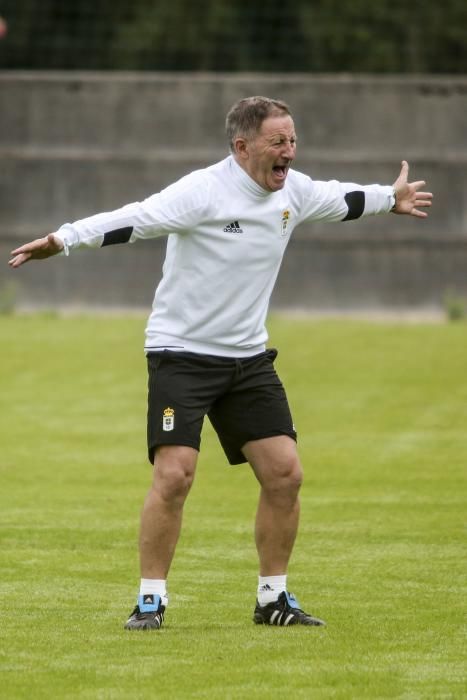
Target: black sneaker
(284, 611)
(148, 614)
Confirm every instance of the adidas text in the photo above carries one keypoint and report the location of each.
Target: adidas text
(233, 227)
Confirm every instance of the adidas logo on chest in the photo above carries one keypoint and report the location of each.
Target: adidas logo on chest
(233, 227)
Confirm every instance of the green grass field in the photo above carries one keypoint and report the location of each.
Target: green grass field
(381, 412)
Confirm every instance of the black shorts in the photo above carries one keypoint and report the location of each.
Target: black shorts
(244, 399)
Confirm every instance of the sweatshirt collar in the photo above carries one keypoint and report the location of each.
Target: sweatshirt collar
(244, 181)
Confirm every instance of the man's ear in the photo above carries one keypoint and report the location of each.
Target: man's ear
(241, 149)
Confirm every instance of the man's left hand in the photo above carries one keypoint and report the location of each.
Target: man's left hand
(408, 196)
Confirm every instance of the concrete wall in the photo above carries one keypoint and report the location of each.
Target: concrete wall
(73, 144)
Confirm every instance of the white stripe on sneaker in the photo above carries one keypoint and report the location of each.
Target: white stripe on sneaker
(272, 619)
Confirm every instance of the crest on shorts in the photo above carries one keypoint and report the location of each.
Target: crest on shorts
(285, 221)
(168, 419)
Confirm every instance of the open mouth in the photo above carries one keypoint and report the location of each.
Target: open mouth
(280, 170)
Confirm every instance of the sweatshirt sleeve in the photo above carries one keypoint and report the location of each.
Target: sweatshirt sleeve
(343, 201)
(176, 209)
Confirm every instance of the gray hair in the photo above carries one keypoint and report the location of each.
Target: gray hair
(247, 115)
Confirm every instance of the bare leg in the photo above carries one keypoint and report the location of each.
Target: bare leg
(161, 518)
(277, 467)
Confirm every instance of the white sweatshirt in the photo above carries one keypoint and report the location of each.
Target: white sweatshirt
(226, 240)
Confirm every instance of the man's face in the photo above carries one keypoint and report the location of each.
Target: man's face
(268, 156)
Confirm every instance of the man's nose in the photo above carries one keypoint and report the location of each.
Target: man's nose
(289, 150)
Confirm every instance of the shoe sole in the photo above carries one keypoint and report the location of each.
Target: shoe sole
(143, 626)
(258, 620)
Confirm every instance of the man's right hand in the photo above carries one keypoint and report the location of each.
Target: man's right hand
(36, 250)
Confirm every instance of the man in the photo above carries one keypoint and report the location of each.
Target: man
(228, 226)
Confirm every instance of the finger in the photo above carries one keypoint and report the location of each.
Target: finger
(15, 261)
(29, 247)
(17, 251)
(416, 185)
(404, 170)
(401, 180)
(425, 195)
(422, 203)
(419, 214)
(19, 260)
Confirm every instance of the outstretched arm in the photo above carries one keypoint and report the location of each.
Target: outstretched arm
(408, 196)
(36, 250)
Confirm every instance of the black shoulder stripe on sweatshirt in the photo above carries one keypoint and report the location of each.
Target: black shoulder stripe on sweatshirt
(356, 204)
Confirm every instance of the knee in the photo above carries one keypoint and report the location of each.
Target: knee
(174, 471)
(284, 478)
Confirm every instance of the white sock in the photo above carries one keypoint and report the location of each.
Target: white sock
(270, 587)
(156, 586)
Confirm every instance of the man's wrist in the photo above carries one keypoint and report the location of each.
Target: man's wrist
(394, 200)
(61, 240)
